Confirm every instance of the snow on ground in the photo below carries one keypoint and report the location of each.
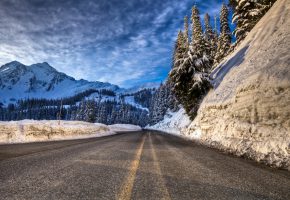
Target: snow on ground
(124, 127)
(49, 130)
(174, 123)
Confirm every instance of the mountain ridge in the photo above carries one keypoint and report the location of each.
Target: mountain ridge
(40, 80)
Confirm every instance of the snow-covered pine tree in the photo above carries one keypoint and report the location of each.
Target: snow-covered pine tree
(224, 41)
(186, 32)
(90, 111)
(189, 75)
(80, 114)
(247, 13)
(197, 43)
(179, 49)
(210, 40)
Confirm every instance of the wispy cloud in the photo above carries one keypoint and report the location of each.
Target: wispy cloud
(122, 42)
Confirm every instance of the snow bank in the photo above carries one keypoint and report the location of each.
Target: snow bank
(174, 123)
(124, 127)
(32, 130)
(248, 111)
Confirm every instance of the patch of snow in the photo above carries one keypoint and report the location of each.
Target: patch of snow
(124, 127)
(173, 123)
(130, 100)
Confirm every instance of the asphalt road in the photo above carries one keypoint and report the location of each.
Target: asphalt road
(140, 165)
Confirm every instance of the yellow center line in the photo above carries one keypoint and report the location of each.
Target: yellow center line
(157, 167)
(127, 186)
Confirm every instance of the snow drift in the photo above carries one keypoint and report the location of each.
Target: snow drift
(174, 123)
(46, 130)
(124, 127)
(32, 130)
(248, 111)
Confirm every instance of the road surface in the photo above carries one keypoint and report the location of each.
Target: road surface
(140, 165)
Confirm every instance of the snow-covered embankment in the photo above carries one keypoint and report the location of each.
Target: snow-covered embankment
(248, 110)
(48, 130)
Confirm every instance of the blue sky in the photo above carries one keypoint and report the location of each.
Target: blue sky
(124, 42)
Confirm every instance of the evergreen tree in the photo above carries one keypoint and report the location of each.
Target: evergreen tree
(186, 32)
(224, 41)
(247, 13)
(81, 111)
(197, 43)
(190, 76)
(180, 48)
(90, 111)
(210, 39)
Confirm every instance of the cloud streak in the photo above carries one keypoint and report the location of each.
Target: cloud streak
(122, 42)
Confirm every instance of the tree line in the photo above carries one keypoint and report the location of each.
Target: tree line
(96, 110)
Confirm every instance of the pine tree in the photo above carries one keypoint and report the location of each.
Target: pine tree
(247, 13)
(81, 111)
(210, 39)
(179, 50)
(197, 43)
(90, 111)
(186, 32)
(224, 41)
(189, 75)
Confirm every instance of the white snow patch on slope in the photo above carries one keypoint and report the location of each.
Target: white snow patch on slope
(130, 100)
(124, 127)
(173, 123)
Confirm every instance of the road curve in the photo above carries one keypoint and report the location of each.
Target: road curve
(139, 165)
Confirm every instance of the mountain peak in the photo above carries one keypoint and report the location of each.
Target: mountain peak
(18, 81)
(14, 62)
(14, 65)
(43, 66)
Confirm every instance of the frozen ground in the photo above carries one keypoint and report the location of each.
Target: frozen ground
(47, 130)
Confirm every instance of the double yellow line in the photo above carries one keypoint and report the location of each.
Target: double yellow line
(127, 186)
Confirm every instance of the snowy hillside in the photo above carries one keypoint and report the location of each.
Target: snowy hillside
(18, 81)
(150, 85)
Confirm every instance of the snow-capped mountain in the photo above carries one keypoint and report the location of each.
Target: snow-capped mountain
(18, 81)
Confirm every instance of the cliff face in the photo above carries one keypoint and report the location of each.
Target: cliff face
(248, 111)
